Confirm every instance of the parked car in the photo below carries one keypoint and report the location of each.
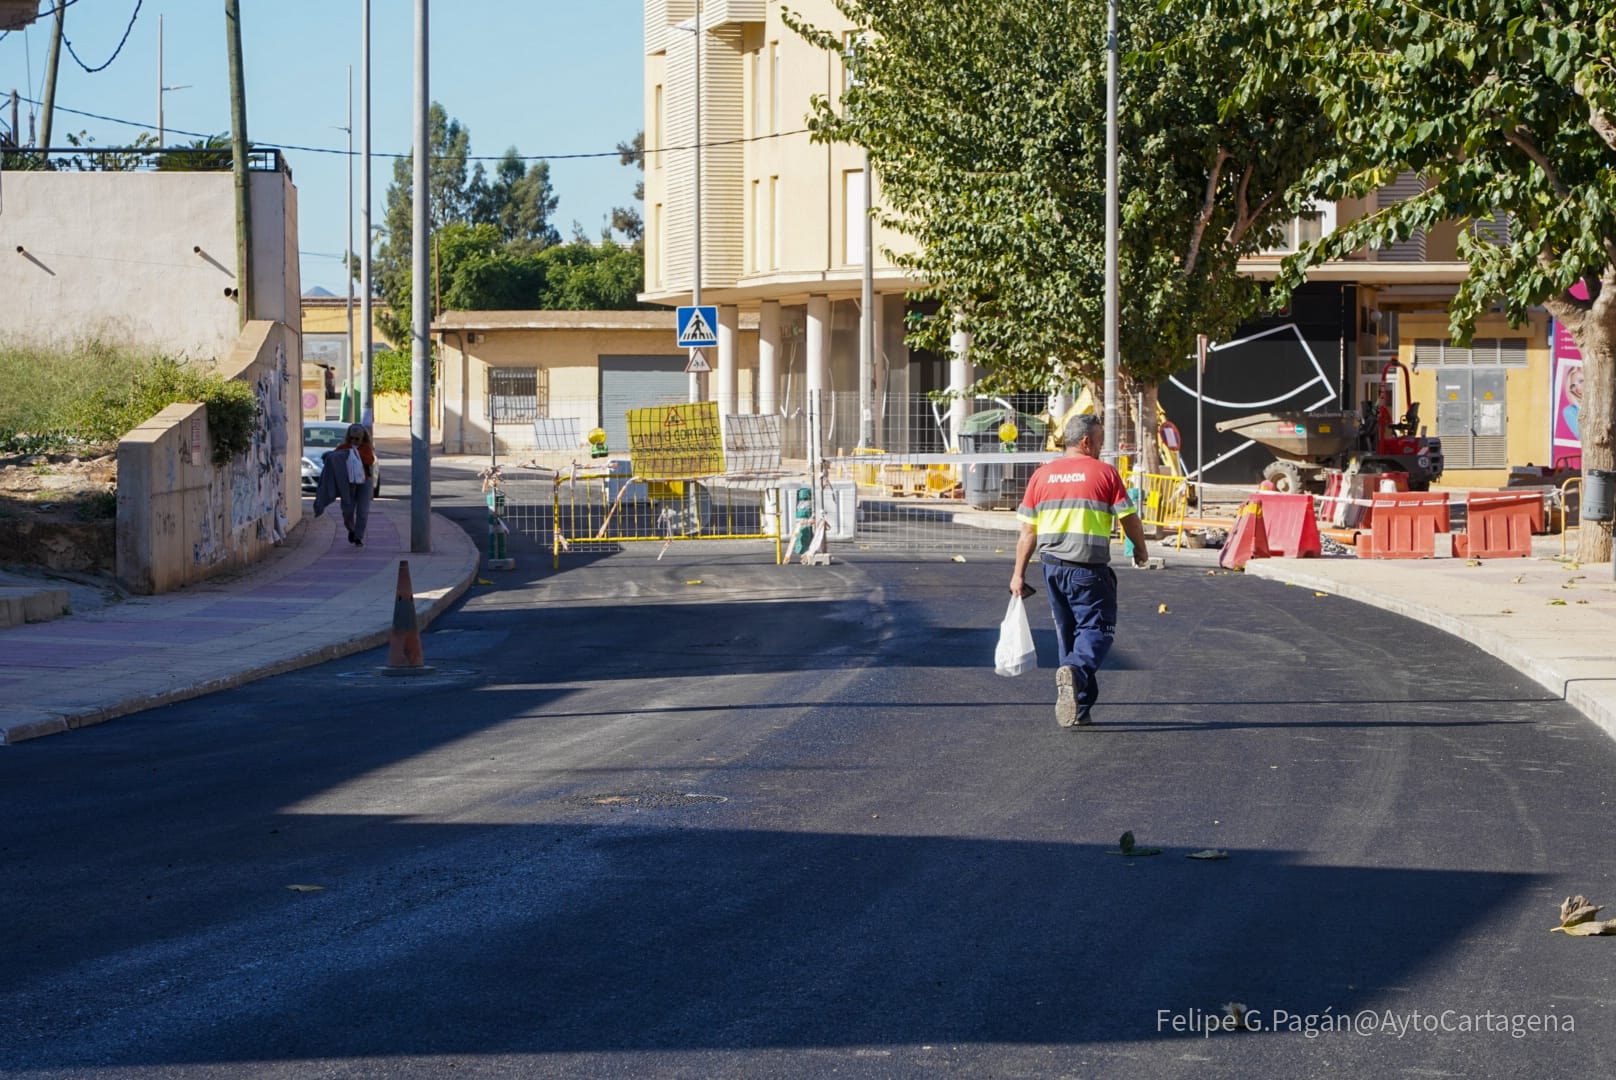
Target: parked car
(320, 436)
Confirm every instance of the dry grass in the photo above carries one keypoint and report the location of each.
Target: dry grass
(46, 393)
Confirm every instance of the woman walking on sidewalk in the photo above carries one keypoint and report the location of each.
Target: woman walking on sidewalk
(352, 484)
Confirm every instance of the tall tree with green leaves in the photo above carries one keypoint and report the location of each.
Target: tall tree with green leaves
(985, 124)
(519, 201)
(1507, 109)
(628, 220)
(450, 144)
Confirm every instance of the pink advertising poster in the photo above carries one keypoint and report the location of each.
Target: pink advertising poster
(1567, 395)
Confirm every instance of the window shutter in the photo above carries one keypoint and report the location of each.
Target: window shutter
(1406, 186)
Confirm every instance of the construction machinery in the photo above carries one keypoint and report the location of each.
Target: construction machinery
(1307, 444)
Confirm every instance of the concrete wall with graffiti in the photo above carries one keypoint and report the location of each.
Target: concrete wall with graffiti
(182, 519)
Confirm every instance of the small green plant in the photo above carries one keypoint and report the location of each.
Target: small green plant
(232, 408)
(42, 468)
(392, 372)
(20, 444)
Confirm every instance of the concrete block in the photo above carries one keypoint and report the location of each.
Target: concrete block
(1443, 549)
(11, 610)
(22, 603)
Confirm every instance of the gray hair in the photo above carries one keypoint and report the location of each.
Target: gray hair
(1079, 426)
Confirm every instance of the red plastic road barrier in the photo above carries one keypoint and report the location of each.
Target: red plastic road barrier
(1288, 520)
(1500, 525)
(1248, 540)
(1404, 524)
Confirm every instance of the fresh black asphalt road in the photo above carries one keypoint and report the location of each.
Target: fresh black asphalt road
(707, 817)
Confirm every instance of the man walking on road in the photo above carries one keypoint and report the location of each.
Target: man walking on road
(1067, 516)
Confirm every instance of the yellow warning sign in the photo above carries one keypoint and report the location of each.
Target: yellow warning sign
(676, 442)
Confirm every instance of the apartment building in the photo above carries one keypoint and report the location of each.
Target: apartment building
(780, 238)
(782, 218)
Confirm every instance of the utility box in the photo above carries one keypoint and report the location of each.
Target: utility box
(313, 392)
(1596, 494)
(840, 508)
(988, 486)
(620, 472)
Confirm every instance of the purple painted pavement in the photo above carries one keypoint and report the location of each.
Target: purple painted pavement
(28, 655)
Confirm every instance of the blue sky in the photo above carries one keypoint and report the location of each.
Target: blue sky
(550, 77)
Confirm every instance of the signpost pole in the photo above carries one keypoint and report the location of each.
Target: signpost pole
(1200, 427)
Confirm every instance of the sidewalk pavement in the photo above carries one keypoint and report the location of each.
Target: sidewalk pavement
(315, 598)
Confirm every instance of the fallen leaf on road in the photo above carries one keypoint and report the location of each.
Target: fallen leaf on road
(1557, 603)
(1587, 929)
(1162, 610)
(957, 558)
(1582, 601)
(695, 582)
(1236, 1012)
(306, 888)
(1209, 853)
(484, 581)
(1507, 611)
(1321, 594)
(1517, 579)
(1576, 909)
(1577, 919)
(1472, 562)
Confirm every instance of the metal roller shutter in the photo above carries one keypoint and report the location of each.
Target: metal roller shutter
(634, 382)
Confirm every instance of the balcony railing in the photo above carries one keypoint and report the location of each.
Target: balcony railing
(136, 159)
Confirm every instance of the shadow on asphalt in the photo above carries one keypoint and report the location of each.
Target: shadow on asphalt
(853, 940)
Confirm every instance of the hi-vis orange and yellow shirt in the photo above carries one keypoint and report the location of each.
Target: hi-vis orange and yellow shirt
(1073, 503)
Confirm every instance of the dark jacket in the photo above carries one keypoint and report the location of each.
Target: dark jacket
(334, 483)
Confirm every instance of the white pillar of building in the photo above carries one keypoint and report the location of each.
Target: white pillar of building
(729, 358)
(768, 376)
(878, 396)
(959, 377)
(817, 364)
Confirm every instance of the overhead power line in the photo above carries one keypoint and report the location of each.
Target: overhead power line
(339, 151)
(124, 41)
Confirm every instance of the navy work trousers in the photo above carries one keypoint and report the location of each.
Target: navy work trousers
(1083, 600)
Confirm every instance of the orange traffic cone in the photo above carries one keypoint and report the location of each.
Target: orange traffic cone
(1249, 540)
(404, 645)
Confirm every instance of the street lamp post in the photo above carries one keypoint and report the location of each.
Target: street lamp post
(162, 89)
(366, 407)
(348, 399)
(421, 300)
(696, 378)
(1109, 451)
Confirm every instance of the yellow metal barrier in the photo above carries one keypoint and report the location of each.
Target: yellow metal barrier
(1163, 500)
(1565, 512)
(615, 508)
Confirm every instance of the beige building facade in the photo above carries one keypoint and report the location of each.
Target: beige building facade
(781, 241)
(501, 371)
(782, 218)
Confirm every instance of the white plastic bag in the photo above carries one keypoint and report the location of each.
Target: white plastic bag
(1015, 653)
(356, 469)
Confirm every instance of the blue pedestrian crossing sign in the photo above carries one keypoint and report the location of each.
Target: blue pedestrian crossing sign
(698, 327)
